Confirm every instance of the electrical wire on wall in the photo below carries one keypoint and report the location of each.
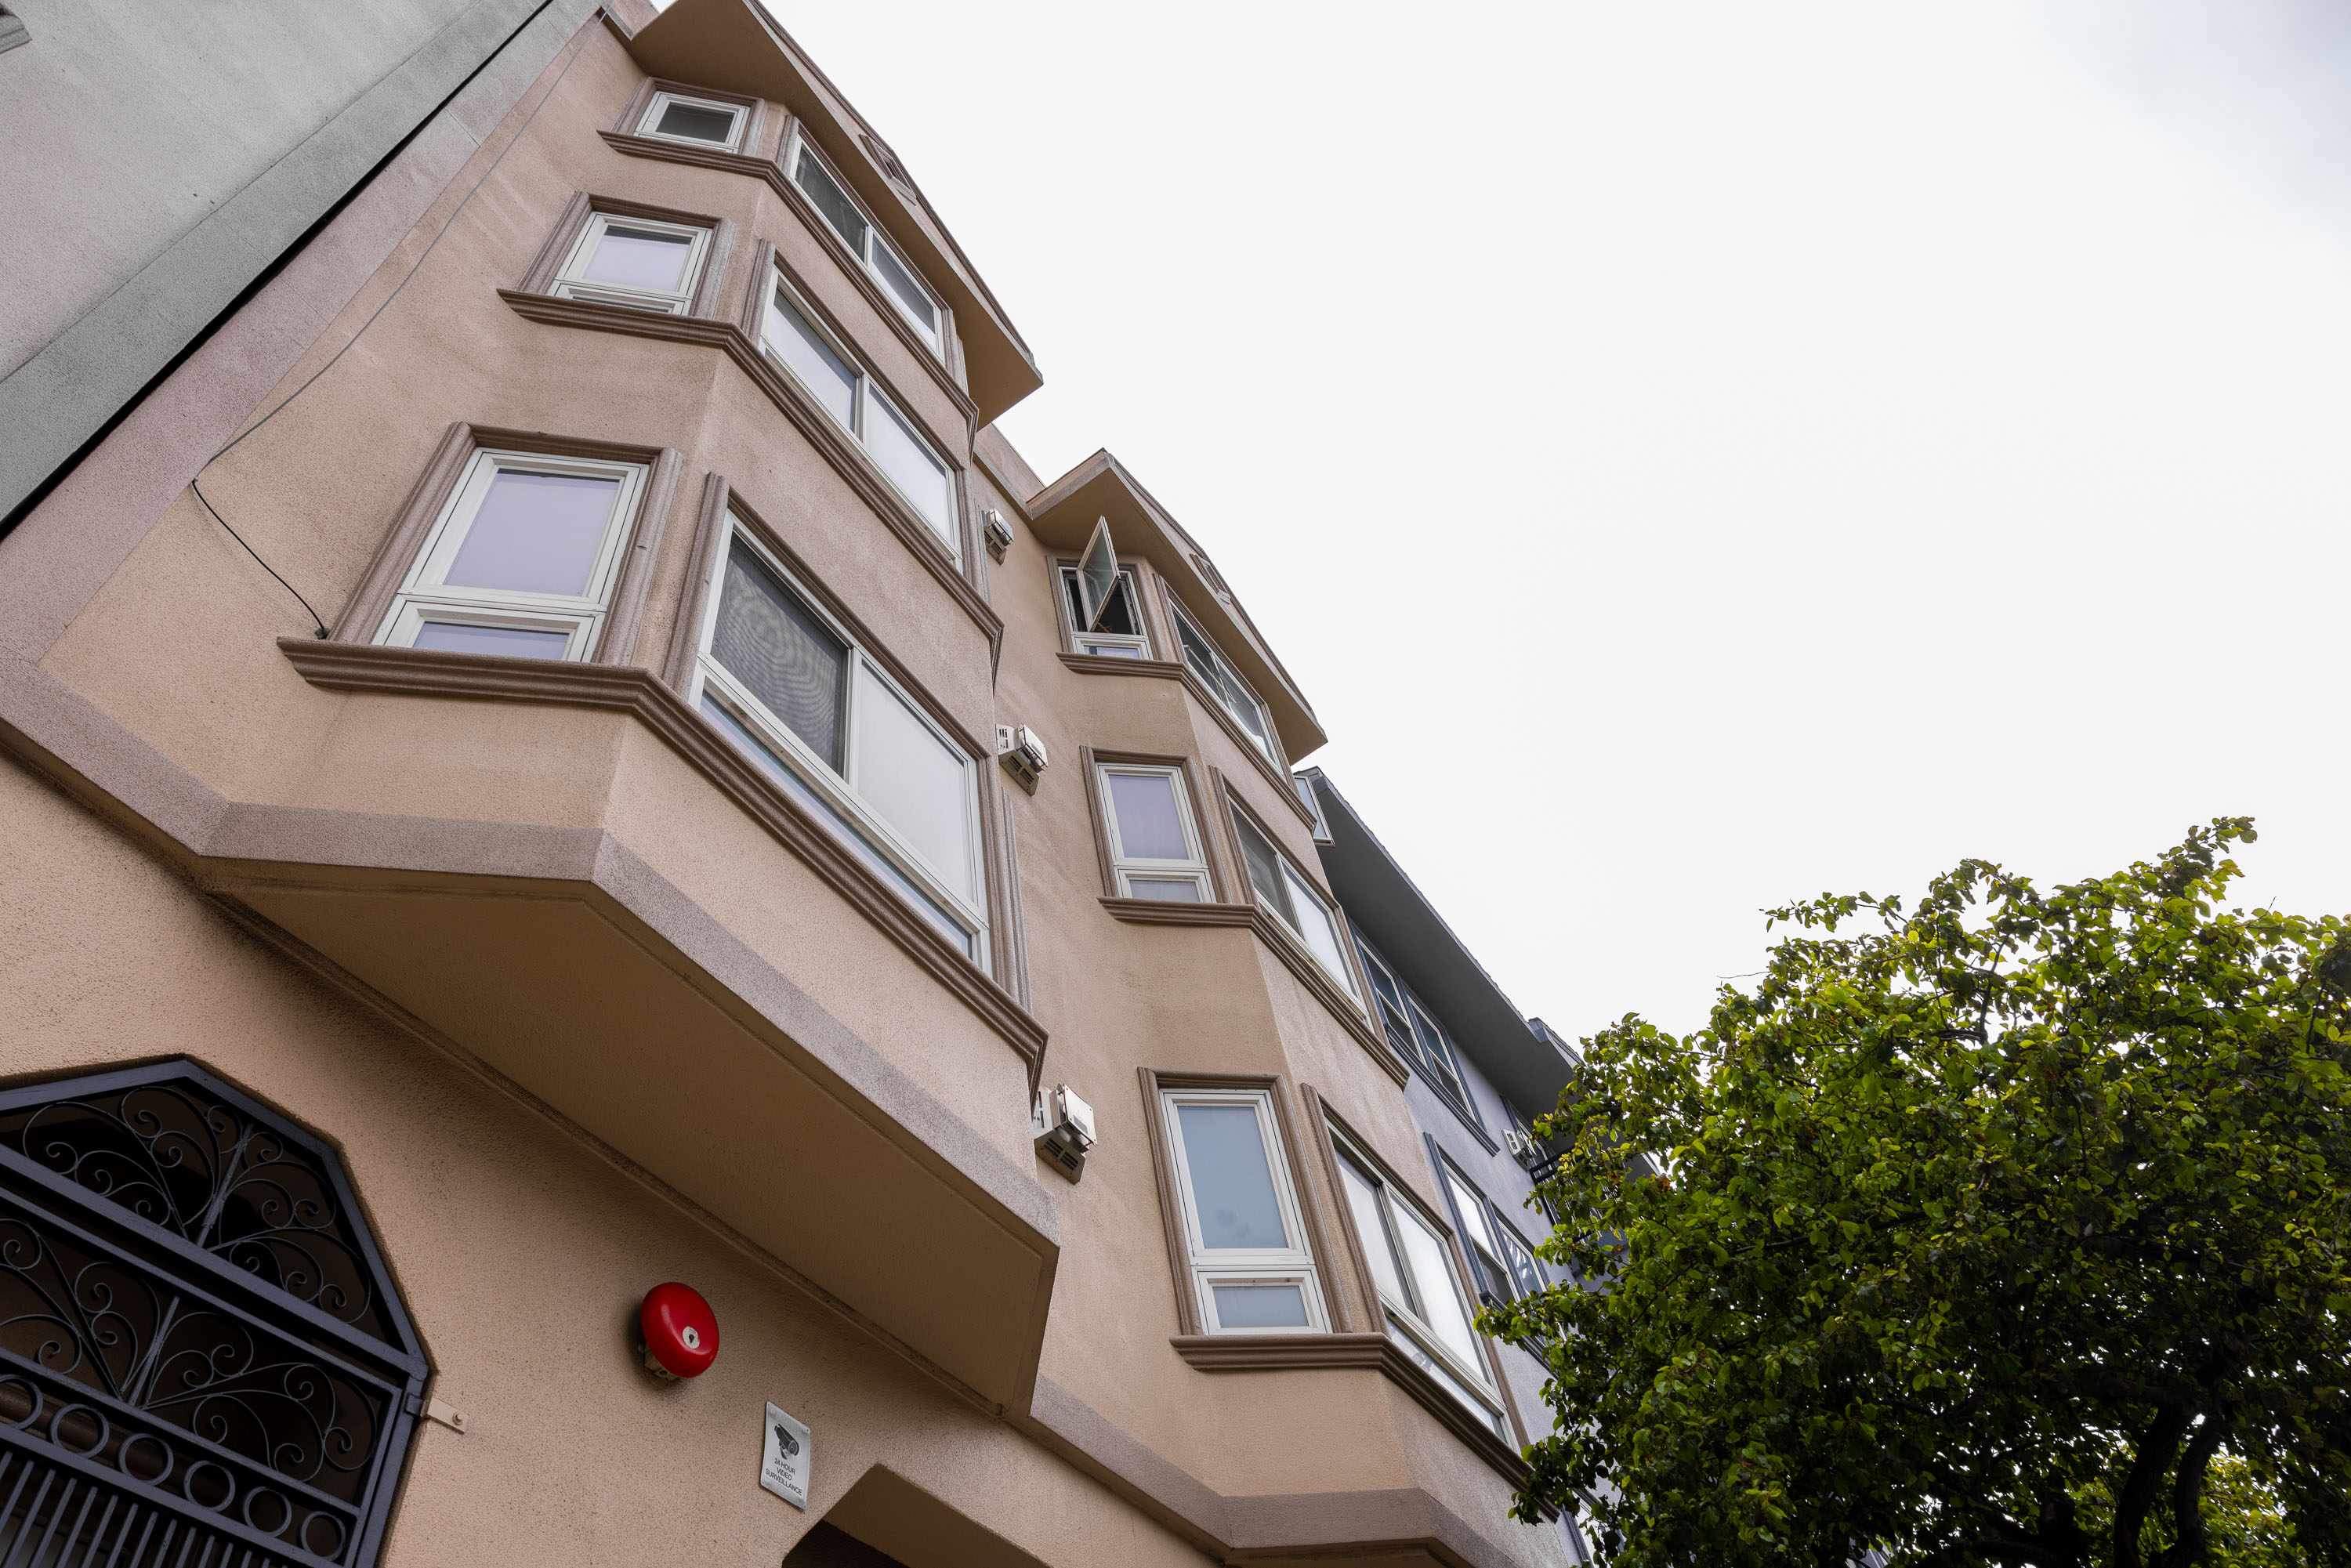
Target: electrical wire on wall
(413, 269)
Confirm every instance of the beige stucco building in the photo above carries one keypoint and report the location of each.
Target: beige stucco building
(644, 873)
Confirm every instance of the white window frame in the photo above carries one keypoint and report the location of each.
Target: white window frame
(1105, 645)
(836, 792)
(1442, 1063)
(1487, 1236)
(1226, 679)
(1194, 868)
(1210, 1267)
(1472, 1385)
(934, 334)
(570, 285)
(1307, 798)
(663, 98)
(864, 396)
(423, 596)
(1295, 882)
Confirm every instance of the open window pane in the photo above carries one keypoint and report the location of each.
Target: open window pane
(829, 378)
(816, 182)
(907, 460)
(536, 533)
(913, 780)
(1150, 819)
(1233, 1196)
(1281, 1306)
(515, 642)
(1097, 578)
(766, 639)
(651, 259)
(696, 122)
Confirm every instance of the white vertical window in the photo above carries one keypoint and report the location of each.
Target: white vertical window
(833, 377)
(1216, 672)
(635, 261)
(700, 121)
(1154, 840)
(521, 561)
(1426, 1310)
(1282, 888)
(828, 194)
(822, 719)
(1506, 1265)
(1251, 1270)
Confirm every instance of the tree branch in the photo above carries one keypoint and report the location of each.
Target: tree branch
(2187, 1544)
(2137, 1495)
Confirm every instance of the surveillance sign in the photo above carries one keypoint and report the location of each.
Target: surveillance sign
(784, 1458)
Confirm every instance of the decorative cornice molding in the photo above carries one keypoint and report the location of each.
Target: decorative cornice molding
(846, 456)
(417, 672)
(1159, 912)
(1279, 1352)
(1104, 664)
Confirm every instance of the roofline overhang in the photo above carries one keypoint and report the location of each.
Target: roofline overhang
(1063, 516)
(736, 45)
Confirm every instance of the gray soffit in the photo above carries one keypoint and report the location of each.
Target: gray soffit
(1525, 1066)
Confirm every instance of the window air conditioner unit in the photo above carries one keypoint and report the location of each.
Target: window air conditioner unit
(1522, 1149)
(1022, 753)
(1063, 1130)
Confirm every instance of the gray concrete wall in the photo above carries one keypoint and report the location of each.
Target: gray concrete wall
(162, 156)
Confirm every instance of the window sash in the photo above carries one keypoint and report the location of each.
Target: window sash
(1216, 672)
(902, 285)
(571, 283)
(1235, 1265)
(1134, 644)
(899, 451)
(835, 792)
(1437, 1046)
(1126, 865)
(1280, 888)
(1399, 1271)
(649, 124)
(423, 595)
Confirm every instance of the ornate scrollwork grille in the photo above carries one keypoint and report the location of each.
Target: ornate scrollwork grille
(201, 1357)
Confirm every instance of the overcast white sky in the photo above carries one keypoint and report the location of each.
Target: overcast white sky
(1694, 455)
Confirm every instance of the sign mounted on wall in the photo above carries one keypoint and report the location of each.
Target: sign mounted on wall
(784, 1457)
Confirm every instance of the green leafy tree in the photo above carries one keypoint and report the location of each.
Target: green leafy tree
(1987, 1230)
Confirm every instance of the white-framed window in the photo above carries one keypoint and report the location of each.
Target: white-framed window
(1413, 1029)
(1504, 1263)
(828, 193)
(1423, 1303)
(521, 561)
(816, 712)
(833, 377)
(651, 264)
(1216, 672)
(1286, 894)
(1155, 838)
(1251, 1270)
(1306, 797)
(698, 122)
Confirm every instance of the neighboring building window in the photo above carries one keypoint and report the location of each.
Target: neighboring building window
(1246, 1243)
(635, 261)
(1413, 1029)
(1233, 694)
(820, 363)
(830, 196)
(818, 716)
(1282, 888)
(1313, 807)
(202, 1359)
(1118, 631)
(1155, 838)
(1425, 1310)
(700, 122)
(1505, 1265)
(522, 558)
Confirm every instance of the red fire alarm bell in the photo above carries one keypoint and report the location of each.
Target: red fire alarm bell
(681, 1333)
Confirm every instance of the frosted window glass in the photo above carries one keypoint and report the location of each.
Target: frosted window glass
(1440, 1301)
(1165, 889)
(1150, 824)
(827, 377)
(1260, 1306)
(1232, 1184)
(640, 259)
(1314, 925)
(902, 284)
(455, 637)
(769, 641)
(1363, 1203)
(695, 123)
(537, 533)
(910, 466)
(913, 780)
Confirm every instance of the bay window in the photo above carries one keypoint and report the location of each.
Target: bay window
(1231, 693)
(641, 262)
(1245, 1241)
(1155, 838)
(828, 194)
(1283, 891)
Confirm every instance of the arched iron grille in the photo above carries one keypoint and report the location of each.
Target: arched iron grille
(203, 1360)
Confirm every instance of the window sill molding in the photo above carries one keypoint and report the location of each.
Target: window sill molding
(1310, 972)
(419, 671)
(1283, 785)
(769, 170)
(1107, 664)
(1161, 912)
(1313, 1352)
(847, 458)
